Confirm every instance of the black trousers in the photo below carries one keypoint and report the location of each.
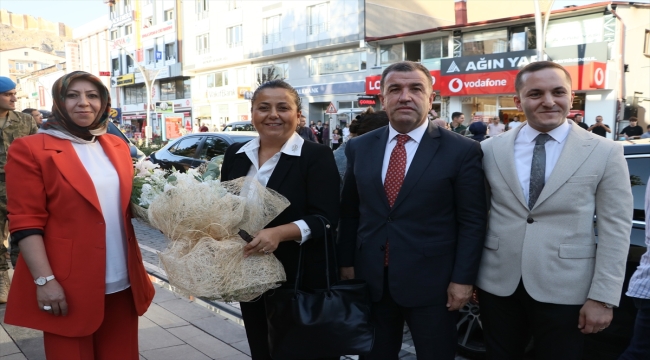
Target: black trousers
(254, 315)
(433, 329)
(510, 321)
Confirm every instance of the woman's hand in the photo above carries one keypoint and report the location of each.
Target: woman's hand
(264, 243)
(52, 295)
(267, 241)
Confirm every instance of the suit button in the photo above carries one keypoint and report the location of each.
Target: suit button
(382, 248)
(530, 220)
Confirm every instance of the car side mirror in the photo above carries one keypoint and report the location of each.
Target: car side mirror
(134, 151)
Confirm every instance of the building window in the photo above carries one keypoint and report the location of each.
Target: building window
(522, 38)
(234, 36)
(112, 11)
(129, 63)
(435, 48)
(168, 90)
(127, 6)
(202, 9)
(334, 64)
(150, 59)
(242, 76)
(170, 54)
(271, 72)
(389, 54)
(271, 29)
(646, 47)
(135, 94)
(169, 15)
(218, 79)
(128, 30)
(233, 4)
(187, 89)
(203, 44)
(114, 35)
(148, 22)
(115, 64)
(317, 17)
(26, 53)
(485, 42)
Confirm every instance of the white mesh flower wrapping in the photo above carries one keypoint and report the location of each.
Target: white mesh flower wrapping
(205, 255)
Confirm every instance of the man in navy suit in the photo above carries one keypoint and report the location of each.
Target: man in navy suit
(413, 218)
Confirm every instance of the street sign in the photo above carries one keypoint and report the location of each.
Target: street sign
(331, 109)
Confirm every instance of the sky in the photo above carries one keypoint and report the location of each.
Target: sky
(75, 13)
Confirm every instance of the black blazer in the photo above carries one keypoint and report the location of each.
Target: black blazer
(436, 226)
(311, 184)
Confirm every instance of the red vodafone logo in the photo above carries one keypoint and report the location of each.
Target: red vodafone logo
(500, 82)
(455, 85)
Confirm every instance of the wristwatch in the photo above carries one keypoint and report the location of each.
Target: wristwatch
(605, 305)
(43, 280)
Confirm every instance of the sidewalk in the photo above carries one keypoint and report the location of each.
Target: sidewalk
(173, 328)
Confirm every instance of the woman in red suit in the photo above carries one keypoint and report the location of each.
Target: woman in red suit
(80, 277)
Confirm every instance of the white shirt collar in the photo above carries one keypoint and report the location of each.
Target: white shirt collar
(292, 147)
(415, 134)
(558, 134)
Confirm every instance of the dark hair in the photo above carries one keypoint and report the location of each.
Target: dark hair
(405, 66)
(278, 84)
(478, 128)
(537, 66)
(456, 114)
(369, 121)
(633, 118)
(577, 115)
(28, 111)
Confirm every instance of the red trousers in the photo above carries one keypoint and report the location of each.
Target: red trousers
(116, 338)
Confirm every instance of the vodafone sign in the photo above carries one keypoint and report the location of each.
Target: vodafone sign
(502, 82)
(373, 82)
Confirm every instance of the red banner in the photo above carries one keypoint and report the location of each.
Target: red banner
(373, 82)
(584, 77)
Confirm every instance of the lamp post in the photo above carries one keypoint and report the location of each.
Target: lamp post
(540, 27)
(149, 77)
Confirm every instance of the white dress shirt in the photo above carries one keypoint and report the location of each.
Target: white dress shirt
(411, 146)
(107, 187)
(293, 147)
(524, 146)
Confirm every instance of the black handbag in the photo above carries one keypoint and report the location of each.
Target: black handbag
(318, 323)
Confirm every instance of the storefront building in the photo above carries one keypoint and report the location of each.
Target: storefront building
(473, 66)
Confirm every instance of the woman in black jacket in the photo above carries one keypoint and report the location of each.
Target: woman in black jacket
(302, 171)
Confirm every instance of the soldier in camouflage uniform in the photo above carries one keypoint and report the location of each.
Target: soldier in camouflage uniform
(13, 125)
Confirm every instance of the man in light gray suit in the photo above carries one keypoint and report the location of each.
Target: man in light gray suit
(542, 273)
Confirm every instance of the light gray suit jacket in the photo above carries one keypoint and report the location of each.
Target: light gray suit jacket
(552, 247)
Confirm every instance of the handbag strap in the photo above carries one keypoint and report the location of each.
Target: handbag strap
(326, 226)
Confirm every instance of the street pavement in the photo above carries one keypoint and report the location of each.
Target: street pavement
(174, 327)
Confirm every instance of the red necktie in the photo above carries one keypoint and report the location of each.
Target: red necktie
(395, 175)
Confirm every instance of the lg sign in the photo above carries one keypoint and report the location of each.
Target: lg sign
(373, 82)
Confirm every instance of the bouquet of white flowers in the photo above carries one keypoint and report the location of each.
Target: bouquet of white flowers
(201, 216)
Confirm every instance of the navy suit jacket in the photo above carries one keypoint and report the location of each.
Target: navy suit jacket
(436, 227)
(311, 183)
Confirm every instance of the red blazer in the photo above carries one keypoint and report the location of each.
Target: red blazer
(49, 189)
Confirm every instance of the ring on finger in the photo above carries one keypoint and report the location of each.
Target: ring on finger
(47, 307)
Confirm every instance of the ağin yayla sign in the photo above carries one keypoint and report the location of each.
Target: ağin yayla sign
(496, 73)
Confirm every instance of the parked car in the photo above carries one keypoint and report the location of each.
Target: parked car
(611, 342)
(192, 150)
(136, 154)
(239, 126)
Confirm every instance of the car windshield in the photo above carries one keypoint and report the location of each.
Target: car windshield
(241, 139)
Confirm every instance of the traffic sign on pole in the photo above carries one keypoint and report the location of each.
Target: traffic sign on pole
(331, 109)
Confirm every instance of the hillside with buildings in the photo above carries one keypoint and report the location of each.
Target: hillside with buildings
(17, 30)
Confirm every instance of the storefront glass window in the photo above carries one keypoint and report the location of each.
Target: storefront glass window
(435, 48)
(187, 89)
(391, 53)
(168, 90)
(486, 107)
(485, 42)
